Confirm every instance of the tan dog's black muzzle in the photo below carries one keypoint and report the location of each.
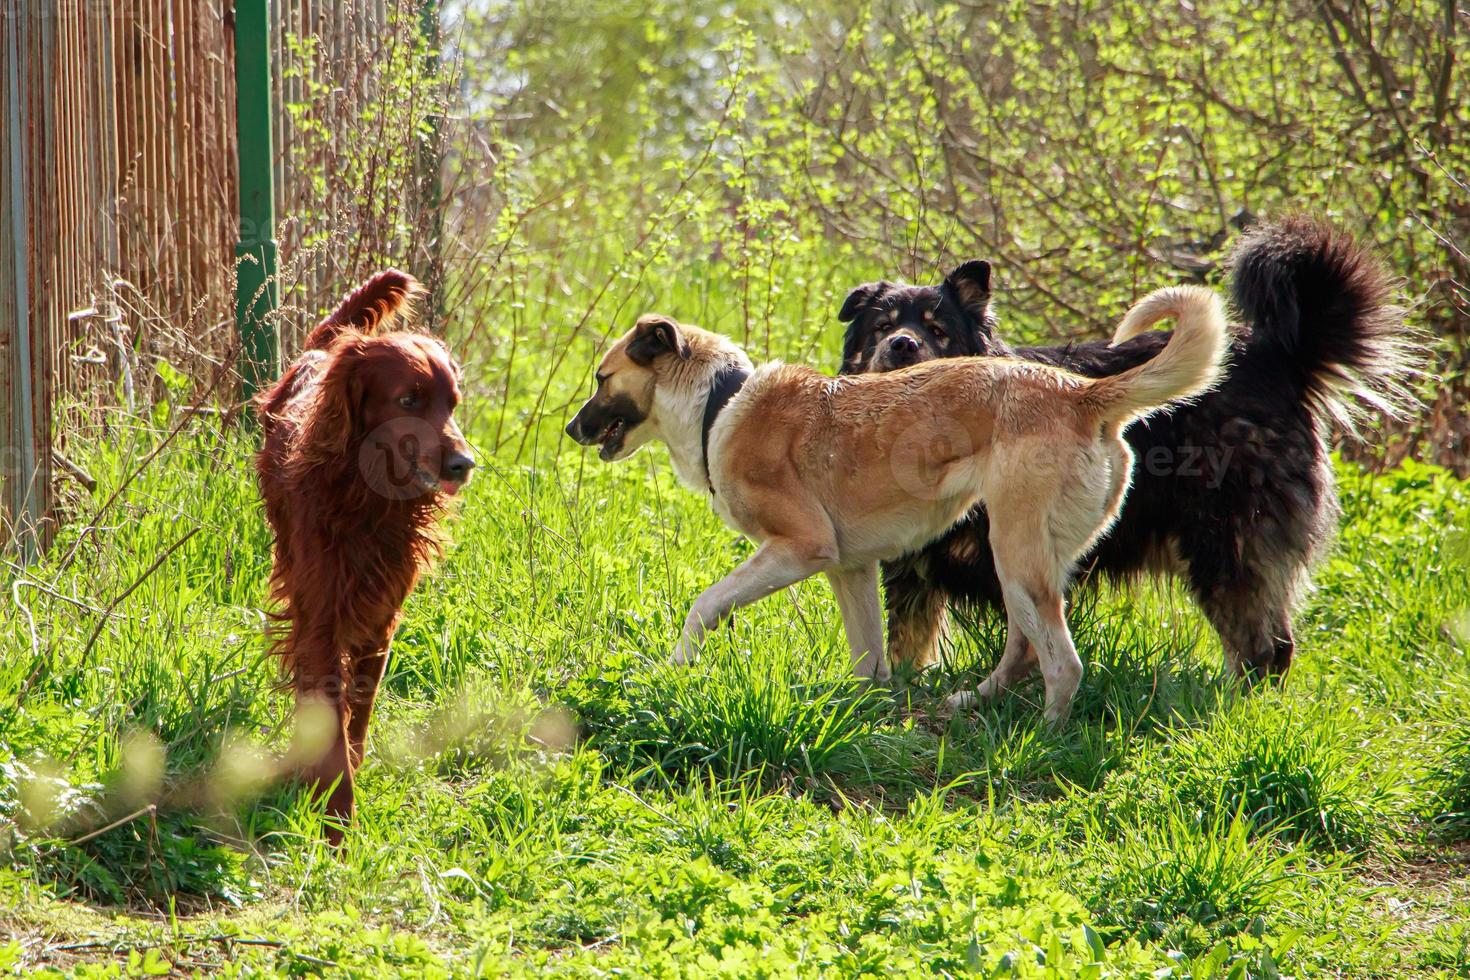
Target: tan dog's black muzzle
(589, 424)
(605, 423)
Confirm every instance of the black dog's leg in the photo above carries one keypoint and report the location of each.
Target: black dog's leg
(917, 613)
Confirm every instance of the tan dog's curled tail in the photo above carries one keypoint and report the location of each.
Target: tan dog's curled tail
(1191, 363)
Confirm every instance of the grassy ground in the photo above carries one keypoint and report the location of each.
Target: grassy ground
(542, 793)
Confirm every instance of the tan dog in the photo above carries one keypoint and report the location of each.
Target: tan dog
(834, 475)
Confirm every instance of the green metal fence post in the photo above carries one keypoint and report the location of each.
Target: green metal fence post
(431, 162)
(257, 293)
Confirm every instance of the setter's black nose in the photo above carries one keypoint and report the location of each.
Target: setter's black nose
(457, 467)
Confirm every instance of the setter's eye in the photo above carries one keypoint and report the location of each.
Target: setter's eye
(410, 401)
(938, 331)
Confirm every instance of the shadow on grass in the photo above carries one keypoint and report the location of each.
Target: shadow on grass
(1140, 682)
(171, 858)
(735, 720)
(733, 716)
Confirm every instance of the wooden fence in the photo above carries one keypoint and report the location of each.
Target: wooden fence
(119, 212)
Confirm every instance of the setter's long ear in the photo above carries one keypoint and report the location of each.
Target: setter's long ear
(336, 418)
(381, 298)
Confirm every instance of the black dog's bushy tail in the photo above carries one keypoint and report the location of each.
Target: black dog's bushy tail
(1313, 294)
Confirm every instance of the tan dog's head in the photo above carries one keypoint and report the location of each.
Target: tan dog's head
(617, 416)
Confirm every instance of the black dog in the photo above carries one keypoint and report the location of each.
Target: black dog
(1234, 493)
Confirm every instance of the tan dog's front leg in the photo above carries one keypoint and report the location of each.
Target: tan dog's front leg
(776, 564)
(857, 597)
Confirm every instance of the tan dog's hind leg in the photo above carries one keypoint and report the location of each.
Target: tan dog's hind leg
(1061, 667)
(1036, 532)
(1036, 632)
(776, 564)
(857, 596)
(1020, 657)
(1016, 664)
(1082, 505)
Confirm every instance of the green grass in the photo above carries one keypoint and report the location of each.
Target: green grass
(544, 793)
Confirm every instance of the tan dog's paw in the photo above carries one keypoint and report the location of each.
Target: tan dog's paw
(683, 655)
(963, 701)
(874, 669)
(989, 689)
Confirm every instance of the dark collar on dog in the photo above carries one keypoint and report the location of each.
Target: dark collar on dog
(726, 384)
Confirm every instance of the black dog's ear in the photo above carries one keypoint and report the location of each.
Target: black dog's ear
(860, 299)
(970, 283)
(656, 334)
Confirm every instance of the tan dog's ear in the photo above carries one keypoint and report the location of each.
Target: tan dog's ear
(655, 335)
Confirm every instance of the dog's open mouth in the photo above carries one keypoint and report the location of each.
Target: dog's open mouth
(611, 438)
(429, 483)
(426, 481)
(432, 484)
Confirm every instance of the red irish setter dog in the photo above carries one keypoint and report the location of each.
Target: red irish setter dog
(360, 451)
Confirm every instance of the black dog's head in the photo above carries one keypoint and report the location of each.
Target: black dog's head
(892, 326)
